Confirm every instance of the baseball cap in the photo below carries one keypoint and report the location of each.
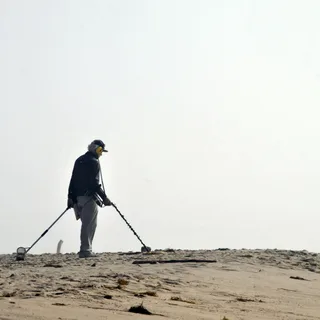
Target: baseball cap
(100, 144)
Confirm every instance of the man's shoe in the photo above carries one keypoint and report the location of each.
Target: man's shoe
(86, 254)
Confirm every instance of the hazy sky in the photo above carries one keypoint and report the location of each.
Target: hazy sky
(209, 110)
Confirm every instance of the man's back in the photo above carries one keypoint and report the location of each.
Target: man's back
(85, 176)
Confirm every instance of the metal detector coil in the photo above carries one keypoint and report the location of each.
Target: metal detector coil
(145, 249)
(21, 253)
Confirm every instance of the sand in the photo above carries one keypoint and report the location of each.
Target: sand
(241, 284)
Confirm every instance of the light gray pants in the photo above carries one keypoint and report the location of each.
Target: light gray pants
(87, 210)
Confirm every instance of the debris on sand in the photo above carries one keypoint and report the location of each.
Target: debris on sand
(139, 309)
(298, 278)
(173, 261)
(181, 300)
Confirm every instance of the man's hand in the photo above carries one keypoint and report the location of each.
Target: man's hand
(70, 203)
(106, 201)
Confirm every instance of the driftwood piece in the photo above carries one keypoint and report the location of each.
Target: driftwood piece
(59, 246)
(172, 261)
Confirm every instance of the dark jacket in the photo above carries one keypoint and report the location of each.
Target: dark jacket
(85, 177)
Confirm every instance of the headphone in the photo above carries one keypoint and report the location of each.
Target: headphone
(94, 148)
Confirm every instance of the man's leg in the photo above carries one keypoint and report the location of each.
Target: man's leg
(88, 215)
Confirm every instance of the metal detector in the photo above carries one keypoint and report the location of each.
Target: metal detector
(144, 248)
(22, 251)
(99, 201)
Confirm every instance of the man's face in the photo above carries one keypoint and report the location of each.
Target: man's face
(99, 152)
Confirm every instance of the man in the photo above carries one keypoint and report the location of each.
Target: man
(82, 194)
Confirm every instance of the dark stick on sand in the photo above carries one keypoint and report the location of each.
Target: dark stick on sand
(172, 261)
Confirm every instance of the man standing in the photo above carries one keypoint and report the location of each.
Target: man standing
(83, 190)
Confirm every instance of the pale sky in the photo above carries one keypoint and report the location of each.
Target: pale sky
(209, 110)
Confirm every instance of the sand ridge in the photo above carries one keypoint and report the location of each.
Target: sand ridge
(241, 284)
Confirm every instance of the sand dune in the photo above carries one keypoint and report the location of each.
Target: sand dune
(241, 284)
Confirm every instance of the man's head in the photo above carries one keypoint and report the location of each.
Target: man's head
(97, 147)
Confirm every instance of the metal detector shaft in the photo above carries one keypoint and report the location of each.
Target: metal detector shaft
(147, 249)
(44, 233)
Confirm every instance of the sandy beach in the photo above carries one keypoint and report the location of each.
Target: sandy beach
(183, 284)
